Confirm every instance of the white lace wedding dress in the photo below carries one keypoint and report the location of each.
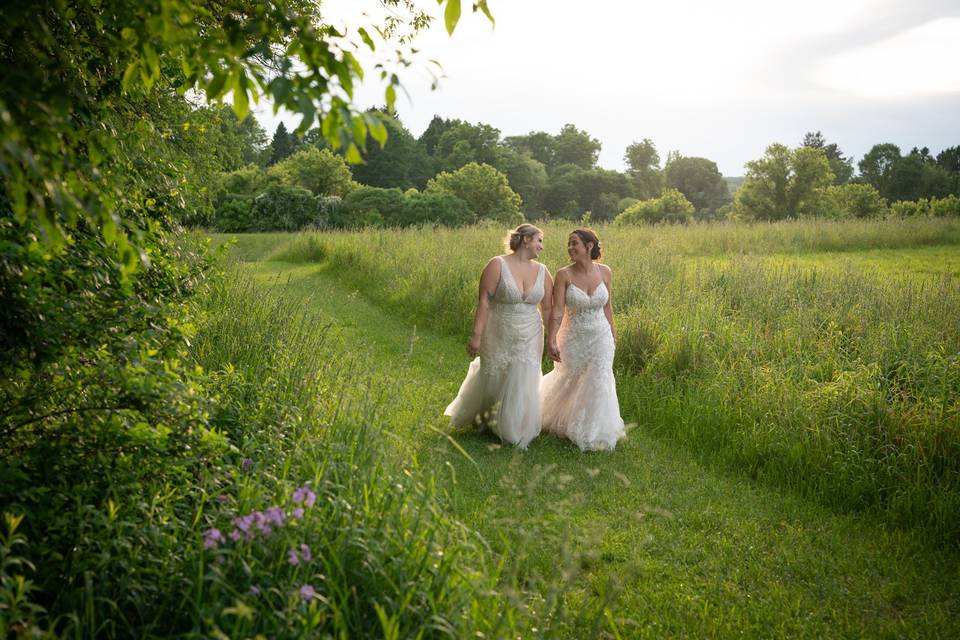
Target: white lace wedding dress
(501, 390)
(579, 396)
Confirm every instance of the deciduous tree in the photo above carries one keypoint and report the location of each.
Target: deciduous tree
(485, 190)
(783, 184)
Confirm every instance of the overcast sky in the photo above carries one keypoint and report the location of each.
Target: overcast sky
(721, 80)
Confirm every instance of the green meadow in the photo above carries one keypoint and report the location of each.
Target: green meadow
(793, 391)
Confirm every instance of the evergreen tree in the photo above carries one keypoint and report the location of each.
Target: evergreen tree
(282, 145)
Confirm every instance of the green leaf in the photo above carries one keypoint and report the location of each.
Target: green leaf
(153, 62)
(241, 104)
(366, 38)
(128, 75)
(360, 131)
(353, 154)
(391, 96)
(215, 87)
(377, 129)
(482, 6)
(354, 64)
(451, 15)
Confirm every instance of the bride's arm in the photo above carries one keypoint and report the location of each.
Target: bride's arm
(546, 304)
(488, 286)
(556, 315)
(608, 308)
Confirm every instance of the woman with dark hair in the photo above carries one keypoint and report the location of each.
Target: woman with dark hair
(501, 390)
(579, 396)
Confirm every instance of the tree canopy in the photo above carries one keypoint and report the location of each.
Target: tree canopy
(784, 183)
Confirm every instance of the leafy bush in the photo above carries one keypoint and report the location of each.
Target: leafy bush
(366, 206)
(235, 213)
(485, 190)
(285, 208)
(670, 207)
(435, 208)
(910, 208)
(249, 181)
(318, 170)
(853, 201)
(625, 203)
(943, 207)
(101, 413)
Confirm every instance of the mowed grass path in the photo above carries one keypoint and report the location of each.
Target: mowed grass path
(672, 547)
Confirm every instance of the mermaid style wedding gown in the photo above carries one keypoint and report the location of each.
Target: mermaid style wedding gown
(501, 390)
(579, 396)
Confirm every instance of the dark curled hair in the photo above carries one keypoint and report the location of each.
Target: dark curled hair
(586, 236)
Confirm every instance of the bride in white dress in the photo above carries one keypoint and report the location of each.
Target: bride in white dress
(579, 396)
(501, 390)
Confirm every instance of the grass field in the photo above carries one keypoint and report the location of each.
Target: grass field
(792, 471)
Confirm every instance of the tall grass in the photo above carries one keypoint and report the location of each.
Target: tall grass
(385, 558)
(841, 382)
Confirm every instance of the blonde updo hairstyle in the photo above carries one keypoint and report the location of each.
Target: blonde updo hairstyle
(514, 239)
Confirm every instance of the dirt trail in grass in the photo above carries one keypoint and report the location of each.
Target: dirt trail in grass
(692, 550)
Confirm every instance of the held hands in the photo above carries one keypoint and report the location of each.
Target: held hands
(473, 345)
(553, 351)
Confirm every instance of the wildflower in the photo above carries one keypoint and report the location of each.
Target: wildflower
(247, 463)
(292, 557)
(305, 553)
(274, 515)
(211, 538)
(307, 592)
(235, 535)
(305, 495)
(298, 513)
(243, 523)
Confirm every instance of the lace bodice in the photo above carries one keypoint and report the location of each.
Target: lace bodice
(508, 291)
(582, 307)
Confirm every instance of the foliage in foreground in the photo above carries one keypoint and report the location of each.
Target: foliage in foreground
(837, 382)
(284, 517)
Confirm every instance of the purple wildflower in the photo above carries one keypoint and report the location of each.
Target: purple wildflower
(247, 463)
(305, 495)
(292, 557)
(235, 535)
(211, 538)
(307, 592)
(297, 513)
(305, 553)
(275, 516)
(243, 523)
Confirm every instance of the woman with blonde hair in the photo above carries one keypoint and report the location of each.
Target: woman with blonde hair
(501, 389)
(579, 396)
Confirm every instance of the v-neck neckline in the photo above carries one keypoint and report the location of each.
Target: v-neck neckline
(513, 279)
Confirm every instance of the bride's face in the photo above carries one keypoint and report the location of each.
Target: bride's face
(535, 245)
(576, 249)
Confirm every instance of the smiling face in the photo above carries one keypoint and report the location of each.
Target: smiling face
(576, 249)
(534, 244)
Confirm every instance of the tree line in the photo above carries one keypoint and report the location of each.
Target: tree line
(457, 172)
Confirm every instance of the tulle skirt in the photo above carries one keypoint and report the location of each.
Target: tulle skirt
(579, 396)
(504, 399)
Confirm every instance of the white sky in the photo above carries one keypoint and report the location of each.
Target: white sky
(711, 79)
